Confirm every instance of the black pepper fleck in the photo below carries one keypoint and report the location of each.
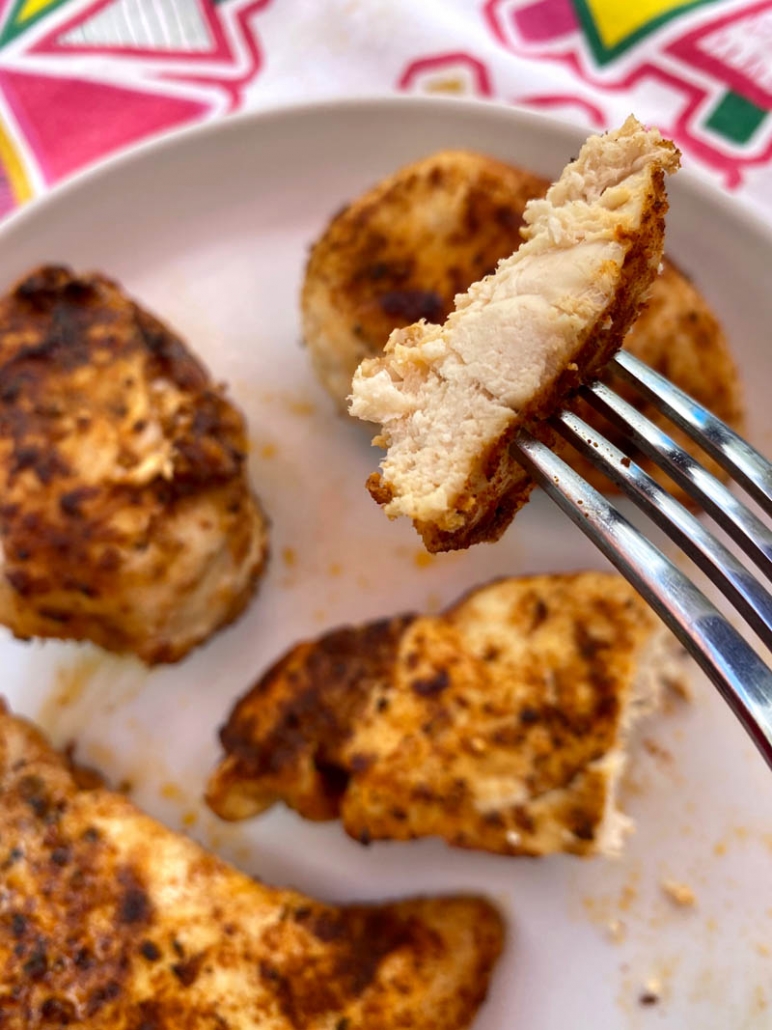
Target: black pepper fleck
(36, 965)
(432, 685)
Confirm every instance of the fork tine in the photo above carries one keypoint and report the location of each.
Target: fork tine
(744, 463)
(734, 667)
(744, 527)
(748, 595)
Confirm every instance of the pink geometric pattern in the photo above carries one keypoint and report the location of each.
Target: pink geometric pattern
(55, 41)
(78, 81)
(454, 63)
(71, 100)
(241, 63)
(232, 61)
(735, 49)
(69, 123)
(563, 101)
(672, 62)
(546, 19)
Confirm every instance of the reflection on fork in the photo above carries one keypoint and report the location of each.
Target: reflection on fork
(727, 658)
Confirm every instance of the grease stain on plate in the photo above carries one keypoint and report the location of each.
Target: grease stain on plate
(289, 556)
(291, 401)
(70, 683)
(92, 682)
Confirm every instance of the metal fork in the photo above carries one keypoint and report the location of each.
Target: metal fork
(744, 680)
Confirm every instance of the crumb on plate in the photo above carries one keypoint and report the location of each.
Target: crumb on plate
(681, 893)
(652, 992)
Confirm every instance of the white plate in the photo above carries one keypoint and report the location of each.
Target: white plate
(210, 229)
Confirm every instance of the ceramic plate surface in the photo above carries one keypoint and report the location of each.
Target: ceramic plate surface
(210, 229)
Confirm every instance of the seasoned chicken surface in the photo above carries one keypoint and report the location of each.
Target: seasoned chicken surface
(404, 249)
(451, 398)
(500, 725)
(127, 517)
(110, 921)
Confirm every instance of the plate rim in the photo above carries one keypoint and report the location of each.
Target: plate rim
(741, 210)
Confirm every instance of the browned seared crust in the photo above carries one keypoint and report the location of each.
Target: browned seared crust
(403, 250)
(112, 922)
(495, 726)
(302, 712)
(499, 489)
(126, 515)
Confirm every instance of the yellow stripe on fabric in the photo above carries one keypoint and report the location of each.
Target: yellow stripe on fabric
(32, 8)
(14, 168)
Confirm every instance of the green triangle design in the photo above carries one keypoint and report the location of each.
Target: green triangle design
(735, 118)
(14, 28)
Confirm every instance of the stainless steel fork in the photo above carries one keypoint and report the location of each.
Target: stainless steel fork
(743, 678)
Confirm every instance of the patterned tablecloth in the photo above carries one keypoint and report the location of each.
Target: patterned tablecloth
(83, 78)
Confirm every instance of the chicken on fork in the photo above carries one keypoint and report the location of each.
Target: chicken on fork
(451, 398)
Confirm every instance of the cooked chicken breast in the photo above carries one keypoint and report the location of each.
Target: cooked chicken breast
(679, 336)
(127, 517)
(451, 398)
(500, 725)
(404, 249)
(110, 921)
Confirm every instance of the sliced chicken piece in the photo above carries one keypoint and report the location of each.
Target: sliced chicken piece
(110, 921)
(404, 249)
(127, 517)
(501, 725)
(467, 383)
(451, 398)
